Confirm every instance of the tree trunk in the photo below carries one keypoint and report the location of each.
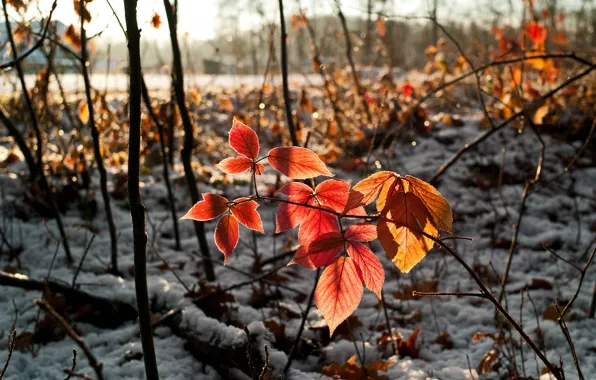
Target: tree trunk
(178, 81)
(137, 208)
(103, 177)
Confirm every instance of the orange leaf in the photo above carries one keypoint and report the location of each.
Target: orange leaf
(369, 266)
(297, 163)
(437, 206)
(83, 112)
(399, 231)
(209, 208)
(246, 213)
(368, 189)
(244, 140)
(381, 29)
(156, 20)
(339, 292)
(226, 235)
(235, 165)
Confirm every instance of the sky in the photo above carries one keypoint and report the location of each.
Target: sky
(202, 18)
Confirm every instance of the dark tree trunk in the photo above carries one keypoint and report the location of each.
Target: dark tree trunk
(178, 79)
(137, 208)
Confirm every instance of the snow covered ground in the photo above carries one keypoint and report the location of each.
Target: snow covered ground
(481, 213)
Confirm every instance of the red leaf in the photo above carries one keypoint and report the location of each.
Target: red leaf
(324, 249)
(536, 32)
(316, 223)
(302, 257)
(210, 207)
(259, 168)
(368, 189)
(333, 193)
(339, 292)
(246, 213)
(290, 215)
(361, 232)
(244, 140)
(407, 89)
(235, 165)
(369, 265)
(297, 163)
(226, 235)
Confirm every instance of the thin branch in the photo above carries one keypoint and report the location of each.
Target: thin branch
(97, 366)
(37, 45)
(137, 208)
(284, 73)
(311, 298)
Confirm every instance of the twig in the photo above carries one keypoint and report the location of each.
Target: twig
(154, 251)
(11, 344)
(438, 294)
(498, 305)
(97, 367)
(74, 278)
(45, 185)
(579, 286)
(565, 330)
(74, 365)
(478, 140)
(103, 177)
(137, 207)
(311, 298)
(284, 73)
(522, 208)
(178, 84)
(348, 42)
(387, 322)
(265, 365)
(16, 60)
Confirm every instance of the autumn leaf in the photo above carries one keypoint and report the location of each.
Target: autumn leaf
(316, 223)
(323, 250)
(399, 230)
(536, 32)
(77, 8)
(235, 165)
(367, 190)
(226, 235)
(407, 89)
(338, 292)
(209, 208)
(289, 215)
(244, 140)
(361, 232)
(156, 20)
(18, 4)
(354, 371)
(246, 212)
(368, 265)
(83, 112)
(297, 162)
(72, 37)
(437, 206)
(381, 28)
